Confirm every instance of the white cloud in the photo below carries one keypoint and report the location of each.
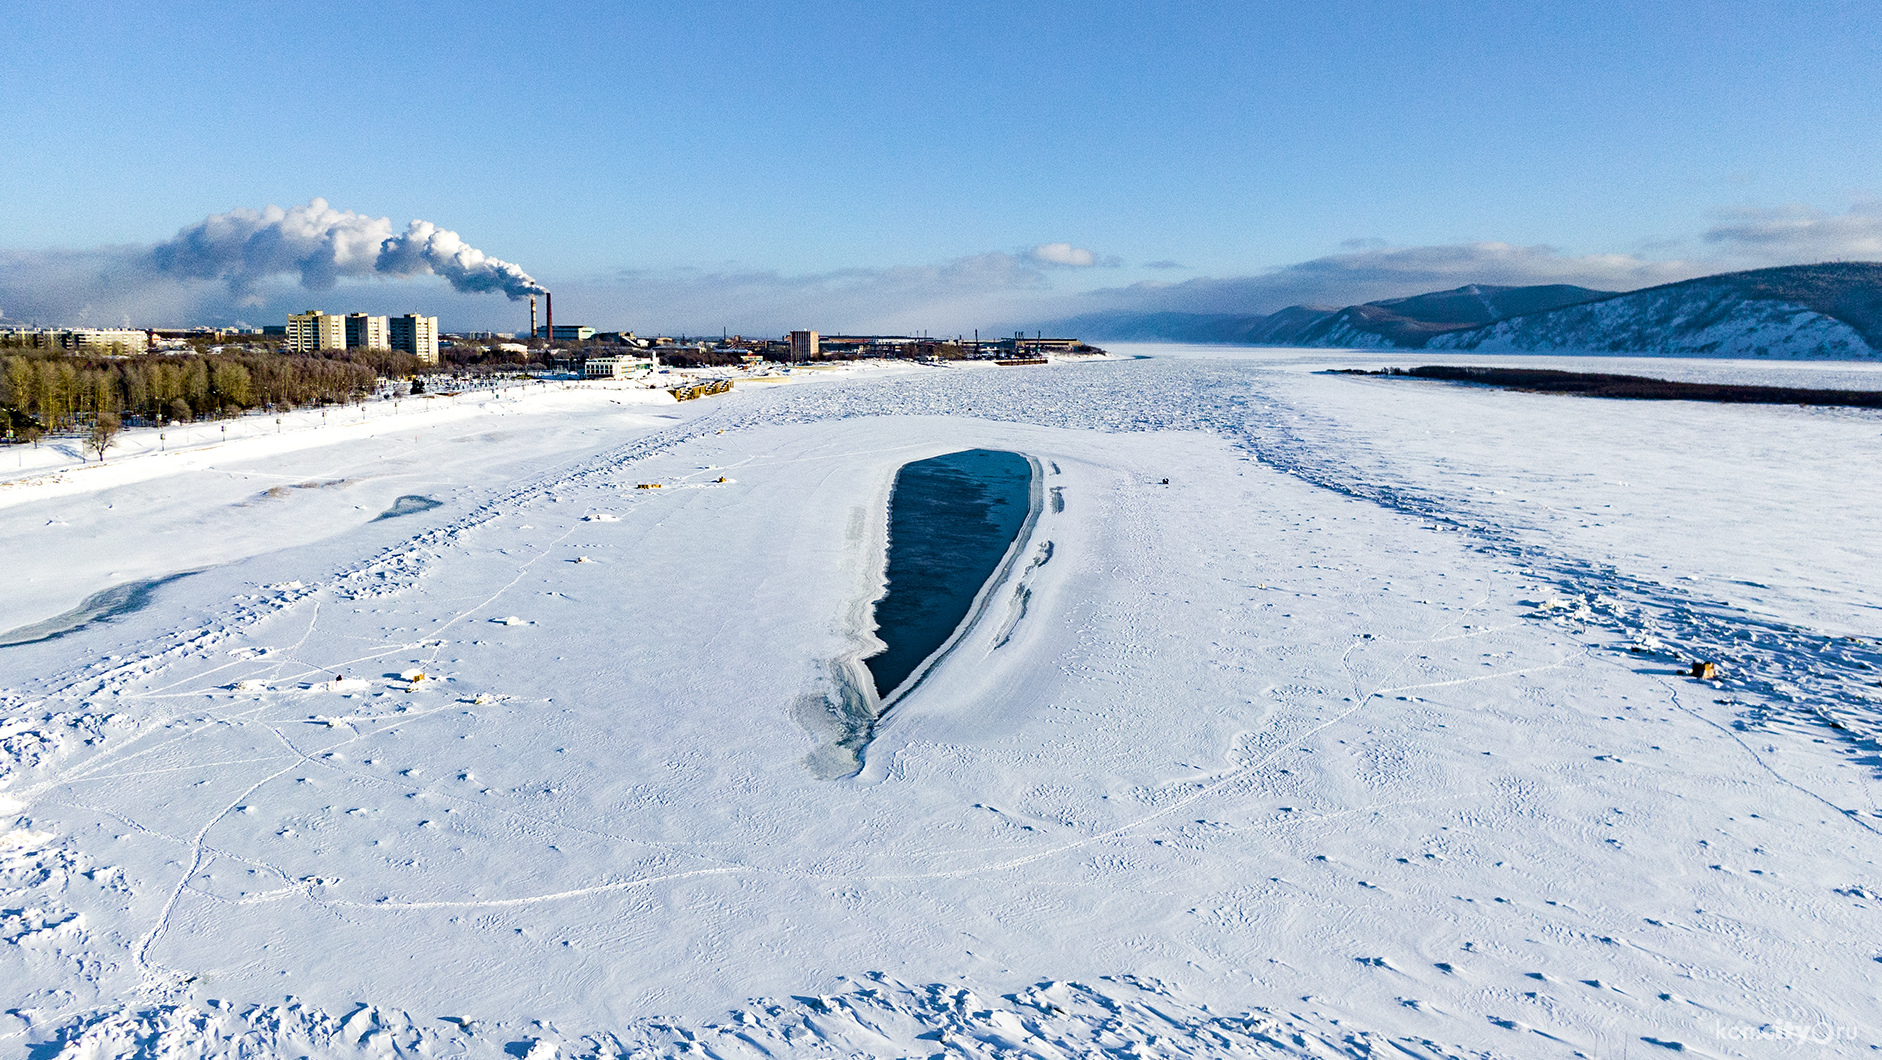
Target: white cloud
(119, 286)
(257, 266)
(1790, 234)
(955, 296)
(244, 264)
(245, 247)
(100, 287)
(1068, 255)
(1371, 274)
(978, 291)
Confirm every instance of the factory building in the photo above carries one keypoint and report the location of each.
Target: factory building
(415, 335)
(619, 366)
(567, 333)
(313, 331)
(367, 333)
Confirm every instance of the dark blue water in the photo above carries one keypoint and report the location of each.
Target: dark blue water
(951, 520)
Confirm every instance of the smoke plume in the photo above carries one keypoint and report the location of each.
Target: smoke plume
(244, 247)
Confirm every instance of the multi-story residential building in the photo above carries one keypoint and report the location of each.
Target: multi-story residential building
(416, 335)
(106, 340)
(80, 340)
(367, 333)
(803, 345)
(313, 331)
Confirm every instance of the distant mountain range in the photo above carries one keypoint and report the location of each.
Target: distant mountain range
(1829, 310)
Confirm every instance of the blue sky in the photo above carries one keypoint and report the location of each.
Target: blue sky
(698, 165)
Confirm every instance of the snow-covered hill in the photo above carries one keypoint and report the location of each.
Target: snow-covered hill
(1821, 311)
(1700, 319)
(1390, 322)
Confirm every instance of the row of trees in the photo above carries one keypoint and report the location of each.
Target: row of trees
(54, 391)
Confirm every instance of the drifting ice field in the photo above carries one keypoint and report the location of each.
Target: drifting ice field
(1367, 734)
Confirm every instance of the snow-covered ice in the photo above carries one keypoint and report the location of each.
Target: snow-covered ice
(1369, 732)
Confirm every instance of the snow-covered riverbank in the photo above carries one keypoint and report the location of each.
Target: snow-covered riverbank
(1370, 725)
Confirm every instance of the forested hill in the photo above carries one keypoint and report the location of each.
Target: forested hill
(1830, 310)
(1827, 310)
(1393, 321)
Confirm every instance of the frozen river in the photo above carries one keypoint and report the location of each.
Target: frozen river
(1312, 715)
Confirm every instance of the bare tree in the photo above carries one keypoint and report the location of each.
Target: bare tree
(104, 431)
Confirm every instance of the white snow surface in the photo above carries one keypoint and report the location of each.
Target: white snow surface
(1368, 734)
(1346, 335)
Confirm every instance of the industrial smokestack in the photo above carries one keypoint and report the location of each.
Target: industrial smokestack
(532, 318)
(548, 302)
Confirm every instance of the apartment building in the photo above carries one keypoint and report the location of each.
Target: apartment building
(367, 332)
(313, 331)
(415, 335)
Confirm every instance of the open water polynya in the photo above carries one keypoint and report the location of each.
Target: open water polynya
(951, 520)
